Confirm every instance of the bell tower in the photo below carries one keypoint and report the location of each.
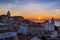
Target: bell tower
(52, 21)
(52, 25)
(8, 13)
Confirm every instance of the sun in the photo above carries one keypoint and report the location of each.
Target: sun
(39, 18)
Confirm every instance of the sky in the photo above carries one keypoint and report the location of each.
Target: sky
(31, 9)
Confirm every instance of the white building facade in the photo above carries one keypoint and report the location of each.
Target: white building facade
(23, 29)
(49, 26)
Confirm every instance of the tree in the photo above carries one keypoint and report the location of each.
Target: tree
(43, 38)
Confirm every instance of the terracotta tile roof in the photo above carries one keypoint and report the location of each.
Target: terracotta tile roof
(5, 31)
(31, 36)
(20, 36)
(45, 21)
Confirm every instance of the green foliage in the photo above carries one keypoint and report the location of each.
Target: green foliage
(43, 38)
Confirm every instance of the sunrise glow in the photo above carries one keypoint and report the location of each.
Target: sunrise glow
(31, 9)
(39, 18)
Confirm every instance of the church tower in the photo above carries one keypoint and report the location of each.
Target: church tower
(8, 13)
(52, 21)
(52, 25)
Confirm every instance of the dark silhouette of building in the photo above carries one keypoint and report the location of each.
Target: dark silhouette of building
(8, 13)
